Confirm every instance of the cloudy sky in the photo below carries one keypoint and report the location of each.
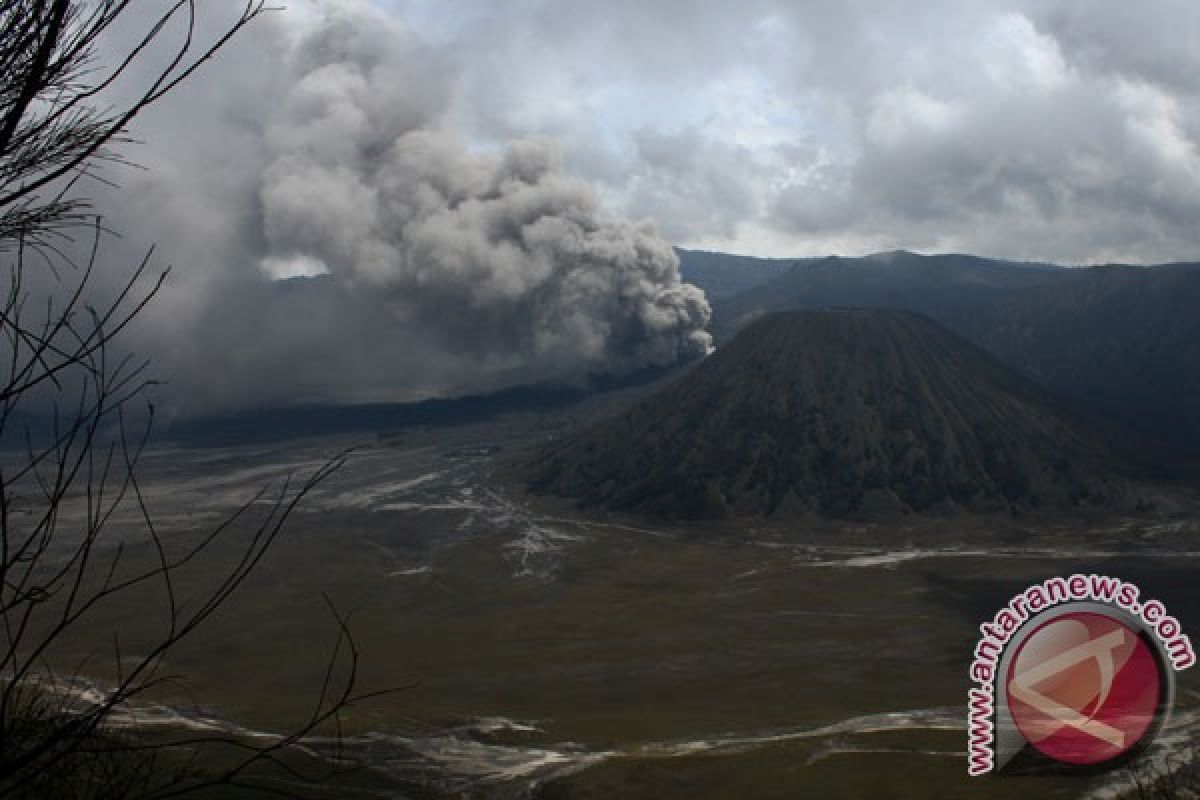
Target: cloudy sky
(1050, 129)
(489, 190)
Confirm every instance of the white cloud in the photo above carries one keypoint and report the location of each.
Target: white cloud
(1007, 130)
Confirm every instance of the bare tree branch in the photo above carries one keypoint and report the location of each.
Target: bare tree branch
(63, 539)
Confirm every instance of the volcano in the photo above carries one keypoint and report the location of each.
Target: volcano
(836, 413)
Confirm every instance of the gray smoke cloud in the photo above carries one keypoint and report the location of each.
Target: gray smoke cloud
(355, 249)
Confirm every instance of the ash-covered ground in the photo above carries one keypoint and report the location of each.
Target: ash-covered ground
(555, 653)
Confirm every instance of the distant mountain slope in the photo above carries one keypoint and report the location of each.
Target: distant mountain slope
(834, 413)
(1124, 341)
(724, 275)
(885, 280)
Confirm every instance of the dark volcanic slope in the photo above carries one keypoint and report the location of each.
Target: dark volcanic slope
(1123, 341)
(834, 412)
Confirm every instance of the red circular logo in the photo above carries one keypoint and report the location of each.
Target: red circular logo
(1084, 688)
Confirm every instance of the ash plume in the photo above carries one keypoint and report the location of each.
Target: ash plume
(429, 268)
